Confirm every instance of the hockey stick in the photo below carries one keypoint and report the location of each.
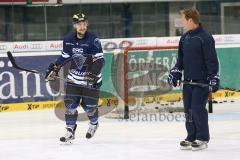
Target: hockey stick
(195, 83)
(210, 99)
(14, 64)
(207, 85)
(12, 60)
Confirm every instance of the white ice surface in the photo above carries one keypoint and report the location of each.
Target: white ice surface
(34, 135)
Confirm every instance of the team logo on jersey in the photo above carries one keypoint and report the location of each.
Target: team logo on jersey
(77, 50)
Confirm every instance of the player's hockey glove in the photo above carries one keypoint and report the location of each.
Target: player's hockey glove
(90, 78)
(52, 72)
(213, 81)
(174, 77)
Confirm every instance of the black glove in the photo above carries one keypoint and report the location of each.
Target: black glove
(213, 81)
(174, 77)
(52, 72)
(90, 78)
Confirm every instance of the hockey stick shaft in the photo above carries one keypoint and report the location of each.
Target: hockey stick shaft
(207, 85)
(196, 83)
(14, 64)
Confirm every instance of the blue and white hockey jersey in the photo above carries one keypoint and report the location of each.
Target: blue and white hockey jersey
(86, 55)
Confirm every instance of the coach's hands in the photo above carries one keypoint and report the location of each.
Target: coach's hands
(213, 81)
(174, 77)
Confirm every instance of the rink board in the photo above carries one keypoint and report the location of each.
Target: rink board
(112, 101)
(19, 89)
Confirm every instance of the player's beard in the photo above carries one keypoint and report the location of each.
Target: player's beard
(80, 35)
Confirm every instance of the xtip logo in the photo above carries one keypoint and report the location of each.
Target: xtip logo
(32, 106)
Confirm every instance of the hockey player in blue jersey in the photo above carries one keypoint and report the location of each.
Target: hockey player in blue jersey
(87, 47)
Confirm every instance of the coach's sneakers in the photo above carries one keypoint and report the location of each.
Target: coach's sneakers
(199, 145)
(185, 145)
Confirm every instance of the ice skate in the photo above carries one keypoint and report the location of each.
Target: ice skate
(91, 130)
(69, 136)
(185, 145)
(199, 145)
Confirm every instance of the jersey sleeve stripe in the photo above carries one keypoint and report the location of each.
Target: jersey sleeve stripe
(76, 81)
(97, 55)
(76, 76)
(100, 79)
(65, 55)
(94, 59)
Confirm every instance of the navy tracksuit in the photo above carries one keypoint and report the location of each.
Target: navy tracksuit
(198, 59)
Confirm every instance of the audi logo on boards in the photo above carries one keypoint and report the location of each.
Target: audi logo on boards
(36, 46)
(3, 47)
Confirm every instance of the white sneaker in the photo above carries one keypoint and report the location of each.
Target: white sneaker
(69, 135)
(91, 130)
(185, 145)
(199, 145)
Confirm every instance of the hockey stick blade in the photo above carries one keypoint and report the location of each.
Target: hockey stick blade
(12, 60)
